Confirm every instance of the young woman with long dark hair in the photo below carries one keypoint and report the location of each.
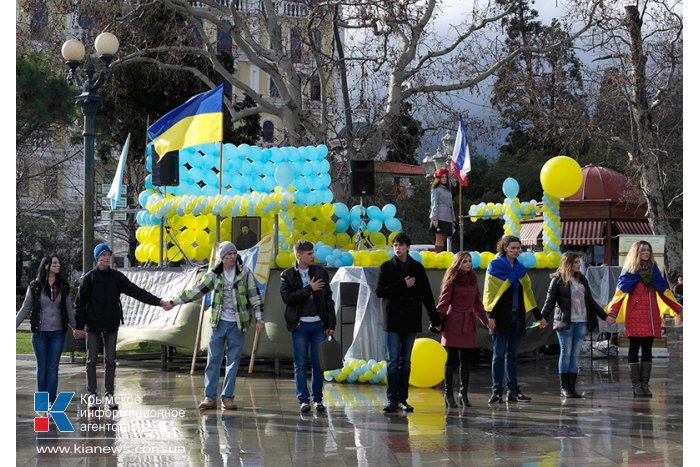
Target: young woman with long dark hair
(442, 212)
(50, 307)
(460, 307)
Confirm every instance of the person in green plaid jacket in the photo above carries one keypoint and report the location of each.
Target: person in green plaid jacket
(236, 297)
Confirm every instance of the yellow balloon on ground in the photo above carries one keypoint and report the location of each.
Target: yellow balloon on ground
(427, 363)
(561, 176)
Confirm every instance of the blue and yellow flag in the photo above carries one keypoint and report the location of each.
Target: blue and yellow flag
(200, 120)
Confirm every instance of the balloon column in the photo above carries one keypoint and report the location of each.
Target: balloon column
(561, 177)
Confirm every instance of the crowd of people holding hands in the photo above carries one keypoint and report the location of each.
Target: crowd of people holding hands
(504, 306)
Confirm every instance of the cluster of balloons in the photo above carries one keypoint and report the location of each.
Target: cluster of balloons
(378, 217)
(243, 169)
(486, 211)
(361, 371)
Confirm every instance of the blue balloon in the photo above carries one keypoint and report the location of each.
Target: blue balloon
(476, 259)
(196, 174)
(374, 212)
(143, 198)
(321, 151)
(148, 182)
(415, 255)
(346, 258)
(341, 210)
(511, 188)
(341, 225)
(388, 212)
(211, 178)
(284, 174)
(393, 224)
(375, 225)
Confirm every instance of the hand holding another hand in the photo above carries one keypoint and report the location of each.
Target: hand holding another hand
(166, 304)
(78, 334)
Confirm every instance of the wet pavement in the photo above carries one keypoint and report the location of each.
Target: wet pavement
(158, 424)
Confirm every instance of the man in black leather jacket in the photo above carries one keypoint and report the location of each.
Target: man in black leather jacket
(310, 317)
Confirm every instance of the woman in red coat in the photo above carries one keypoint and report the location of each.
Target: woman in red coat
(460, 307)
(641, 299)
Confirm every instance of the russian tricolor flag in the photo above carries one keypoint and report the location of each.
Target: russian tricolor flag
(461, 162)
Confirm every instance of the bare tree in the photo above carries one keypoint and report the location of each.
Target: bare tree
(643, 43)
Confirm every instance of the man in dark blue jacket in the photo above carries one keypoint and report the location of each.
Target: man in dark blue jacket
(98, 311)
(404, 286)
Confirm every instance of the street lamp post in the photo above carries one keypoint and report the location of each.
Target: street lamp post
(73, 51)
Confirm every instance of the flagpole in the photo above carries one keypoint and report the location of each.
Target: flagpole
(461, 220)
(221, 187)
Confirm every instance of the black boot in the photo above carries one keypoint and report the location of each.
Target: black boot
(564, 380)
(572, 386)
(636, 377)
(449, 391)
(645, 374)
(464, 385)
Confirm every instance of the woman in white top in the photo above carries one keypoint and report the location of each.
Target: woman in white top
(575, 310)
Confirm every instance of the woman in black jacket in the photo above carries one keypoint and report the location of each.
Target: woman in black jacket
(51, 311)
(569, 297)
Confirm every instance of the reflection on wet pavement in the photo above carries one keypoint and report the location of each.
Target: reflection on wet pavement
(158, 424)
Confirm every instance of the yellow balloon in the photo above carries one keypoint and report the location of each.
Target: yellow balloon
(561, 176)
(284, 259)
(486, 258)
(141, 253)
(174, 254)
(201, 253)
(392, 235)
(429, 259)
(553, 259)
(444, 259)
(202, 222)
(427, 363)
(541, 260)
(378, 239)
(154, 253)
(188, 237)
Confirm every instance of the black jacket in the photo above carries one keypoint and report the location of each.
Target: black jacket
(294, 294)
(98, 307)
(559, 301)
(404, 305)
(37, 290)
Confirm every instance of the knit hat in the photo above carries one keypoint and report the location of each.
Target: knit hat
(99, 249)
(226, 248)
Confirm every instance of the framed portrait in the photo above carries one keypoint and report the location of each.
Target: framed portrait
(245, 232)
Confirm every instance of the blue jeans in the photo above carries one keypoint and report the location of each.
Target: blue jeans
(505, 357)
(303, 336)
(228, 336)
(48, 346)
(398, 368)
(570, 344)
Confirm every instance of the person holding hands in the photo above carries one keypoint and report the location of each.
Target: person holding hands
(460, 307)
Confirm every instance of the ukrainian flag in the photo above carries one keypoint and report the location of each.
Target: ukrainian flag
(198, 121)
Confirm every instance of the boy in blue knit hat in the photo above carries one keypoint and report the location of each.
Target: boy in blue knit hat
(98, 311)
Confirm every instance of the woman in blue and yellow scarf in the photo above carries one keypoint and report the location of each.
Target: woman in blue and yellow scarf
(508, 298)
(642, 298)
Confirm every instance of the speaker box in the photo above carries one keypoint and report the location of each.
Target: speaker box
(361, 178)
(166, 172)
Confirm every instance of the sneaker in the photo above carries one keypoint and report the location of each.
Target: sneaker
(319, 407)
(110, 403)
(305, 407)
(496, 398)
(390, 407)
(206, 404)
(92, 401)
(228, 404)
(405, 406)
(519, 397)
